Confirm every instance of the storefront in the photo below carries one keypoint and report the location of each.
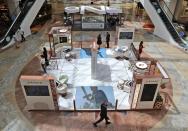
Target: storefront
(94, 17)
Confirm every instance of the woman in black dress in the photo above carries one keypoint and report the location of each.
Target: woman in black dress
(45, 54)
(99, 41)
(140, 49)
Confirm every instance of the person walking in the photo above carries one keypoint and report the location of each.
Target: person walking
(20, 4)
(139, 7)
(45, 54)
(107, 39)
(140, 49)
(103, 114)
(42, 62)
(16, 41)
(21, 32)
(99, 41)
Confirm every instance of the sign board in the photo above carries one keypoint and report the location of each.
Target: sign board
(63, 38)
(101, 10)
(148, 93)
(125, 36)
(38, 93)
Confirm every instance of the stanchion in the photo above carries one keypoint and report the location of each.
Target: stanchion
(74, 105)
(116, 104)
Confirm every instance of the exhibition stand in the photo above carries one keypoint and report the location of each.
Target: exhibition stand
(84, 78)
(95, 17)
(77, 84)
(40, 92)
(58, 93)
(59, 36)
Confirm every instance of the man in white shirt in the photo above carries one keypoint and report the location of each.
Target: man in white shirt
(42, 62)
(21, 34)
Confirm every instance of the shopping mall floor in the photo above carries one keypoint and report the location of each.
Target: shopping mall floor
(13, 118)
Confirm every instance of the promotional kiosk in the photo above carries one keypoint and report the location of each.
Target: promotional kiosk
(40, 92)
(93, 17)
(138, 90)
(144, 92)
(84, 81)
(59, 36)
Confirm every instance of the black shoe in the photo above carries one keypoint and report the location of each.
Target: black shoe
(108, 123)
(94, 124)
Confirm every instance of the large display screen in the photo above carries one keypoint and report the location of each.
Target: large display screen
(91, 97)
(126, 35)
(36, 90)
(93, 19)
(148, 92)
(63, 39)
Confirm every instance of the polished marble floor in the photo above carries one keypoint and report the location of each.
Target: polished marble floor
(108, 72)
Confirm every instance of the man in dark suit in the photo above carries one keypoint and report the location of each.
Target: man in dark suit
(103, 114)
(107, 39)
(99, 41)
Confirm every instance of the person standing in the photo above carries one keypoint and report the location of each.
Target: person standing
(103, 114)
(140, 49)
(21, 32)
(20, 4)
(16, 41)
(99, 41)
(42, 62)
(45, 54)
(139, 7)
(107, 39)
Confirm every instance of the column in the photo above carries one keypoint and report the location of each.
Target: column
(94, 51)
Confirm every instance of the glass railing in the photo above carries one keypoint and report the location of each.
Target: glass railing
(178, 28)
(8, 20)
(16, 22)
(166, 9)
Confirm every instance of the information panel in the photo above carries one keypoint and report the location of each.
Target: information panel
(125, 36)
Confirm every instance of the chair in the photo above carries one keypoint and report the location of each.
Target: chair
(62, 85)
(62, 89)
(63, 79)
(125, 85)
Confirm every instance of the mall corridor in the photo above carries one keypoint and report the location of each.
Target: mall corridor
(173, 118)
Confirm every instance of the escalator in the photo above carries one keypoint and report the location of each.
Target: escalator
(166, 28)
(24, 20)
(16, 24)
(168, 23)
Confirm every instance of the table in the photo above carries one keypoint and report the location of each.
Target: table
(62, 30)
(120, 51)
(62, 89)
(141, 65)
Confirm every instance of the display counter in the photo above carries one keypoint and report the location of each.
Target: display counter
(93, 22)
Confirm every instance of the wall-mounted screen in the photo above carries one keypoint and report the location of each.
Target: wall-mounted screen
(148, 92)
(126, 35)
(63, 39)
(36, 90)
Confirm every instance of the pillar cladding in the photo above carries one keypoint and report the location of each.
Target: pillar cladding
(94, 51)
